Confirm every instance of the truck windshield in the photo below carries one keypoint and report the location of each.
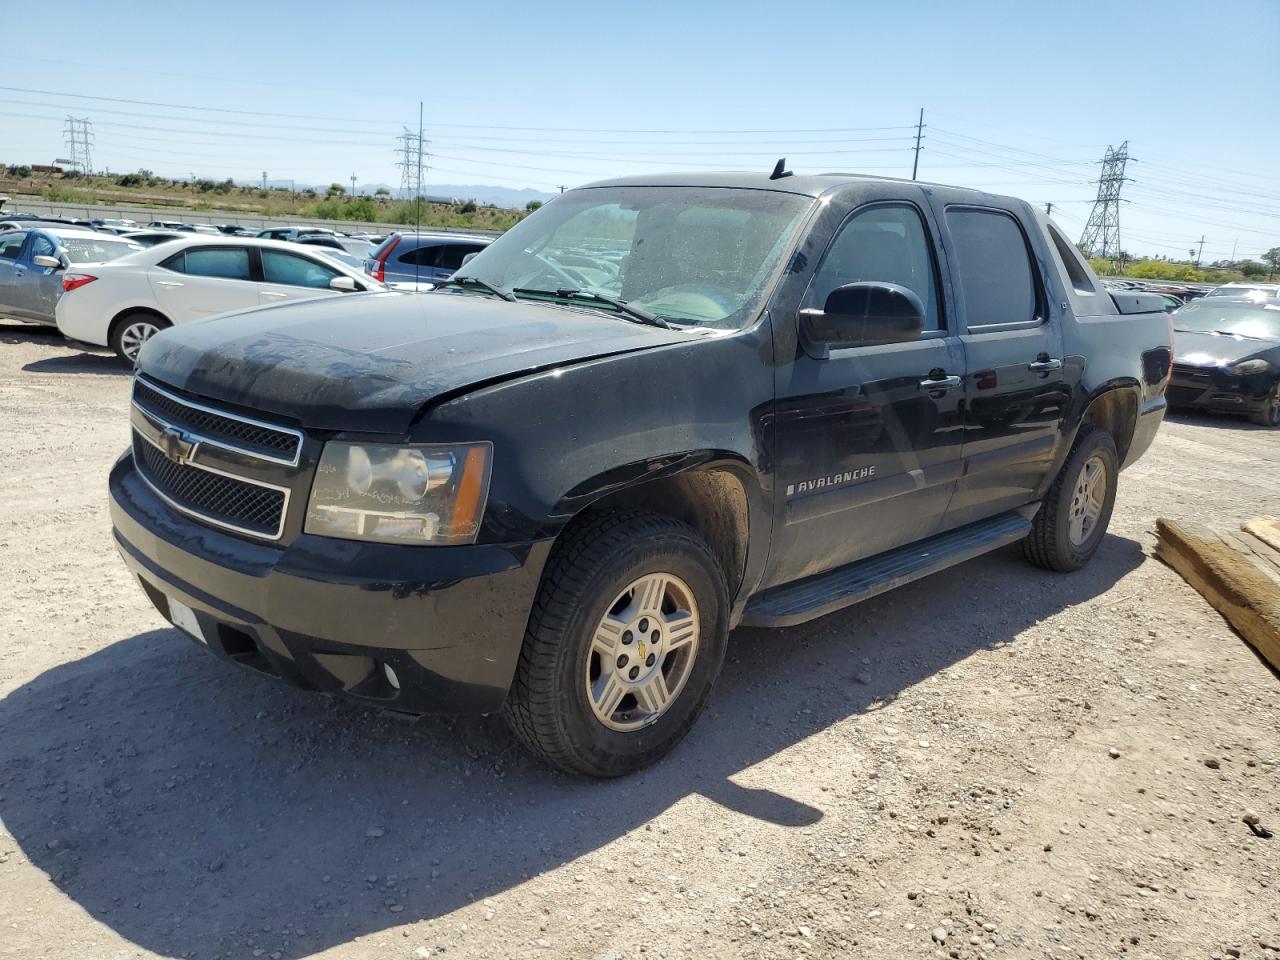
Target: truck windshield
(691, 255)
(1238, 319)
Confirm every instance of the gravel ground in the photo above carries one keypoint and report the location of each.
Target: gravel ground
(994, 762)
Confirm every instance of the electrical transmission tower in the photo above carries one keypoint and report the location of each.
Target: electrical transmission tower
(411, 150)
(1101, 235)
(78, 134)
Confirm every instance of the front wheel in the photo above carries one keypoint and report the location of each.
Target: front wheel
(624, 642)
(1269, 414)
(132, 331)
(1073, 517)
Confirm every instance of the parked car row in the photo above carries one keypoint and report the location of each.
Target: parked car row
(119, 292)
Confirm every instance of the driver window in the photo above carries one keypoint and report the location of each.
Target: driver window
(886, 242)
(42, 246)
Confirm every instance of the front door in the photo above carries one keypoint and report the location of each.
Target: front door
(867, 439)
(1015, 391)
(42, 286)
(291, 276)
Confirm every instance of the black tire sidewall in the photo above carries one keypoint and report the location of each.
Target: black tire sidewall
(1095, 443)
(609, 752)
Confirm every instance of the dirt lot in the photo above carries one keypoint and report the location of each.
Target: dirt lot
(929, 774)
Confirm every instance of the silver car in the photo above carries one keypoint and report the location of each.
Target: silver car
(32, 263)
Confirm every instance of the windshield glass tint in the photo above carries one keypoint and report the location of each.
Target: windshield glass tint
(694, 255)
(1239, 318)
(93, 250)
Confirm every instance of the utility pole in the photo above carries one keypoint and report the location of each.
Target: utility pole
(561, 187)
(1234, 243)
(1200, 251)
(1101, 235)
(1048, 208)
(264, 181)
(353, 184)
(915, 164)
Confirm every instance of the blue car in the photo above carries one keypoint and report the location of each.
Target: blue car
(421, 257)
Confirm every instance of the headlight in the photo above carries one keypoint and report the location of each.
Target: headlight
(1249, 366)
(428, 493)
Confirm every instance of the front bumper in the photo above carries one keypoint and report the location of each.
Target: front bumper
(333, 615)
(1213, 388)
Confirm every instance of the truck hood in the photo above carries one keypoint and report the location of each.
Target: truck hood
(369, 362)
(1215, 350)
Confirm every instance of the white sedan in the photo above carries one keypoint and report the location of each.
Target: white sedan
(124, 303)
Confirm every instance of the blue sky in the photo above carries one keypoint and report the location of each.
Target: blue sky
(1019, 98)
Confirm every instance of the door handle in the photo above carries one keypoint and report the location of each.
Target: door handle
(168, 283)
(942, 383)
(1044, 366)
(272, 295)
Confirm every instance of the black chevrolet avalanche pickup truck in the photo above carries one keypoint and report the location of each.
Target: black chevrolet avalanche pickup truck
(656, 409)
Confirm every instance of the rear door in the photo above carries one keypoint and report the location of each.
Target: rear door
(202, 281)
(868, 438)
(12, 243)
(1015, 392)
(292, 276)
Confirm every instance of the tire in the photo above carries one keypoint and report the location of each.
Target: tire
(1269, 415)
(561, 672)
(1054, 543)
(130, 332)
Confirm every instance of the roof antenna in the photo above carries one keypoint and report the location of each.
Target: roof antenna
(780, 170)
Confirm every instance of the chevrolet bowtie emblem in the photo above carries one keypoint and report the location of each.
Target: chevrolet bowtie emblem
(644, 651)
(178, 446)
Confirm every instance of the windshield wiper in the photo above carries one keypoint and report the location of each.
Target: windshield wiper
(483, 284)
(635, 313)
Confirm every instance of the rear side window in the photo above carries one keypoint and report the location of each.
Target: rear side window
(95, 250)
(11, 244)
(225, 263)
(424, 256)
(279, 267)
(1071, 262)
(993, 266)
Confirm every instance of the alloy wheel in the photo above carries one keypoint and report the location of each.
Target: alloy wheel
(642, 652)
(1087, 500)
(135, 335)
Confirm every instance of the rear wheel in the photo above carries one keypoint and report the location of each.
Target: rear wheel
(1269, 414)
(1073, 517)
(623, 645)
(133, 330)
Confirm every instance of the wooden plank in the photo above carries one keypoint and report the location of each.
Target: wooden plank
(1238, 590)
(1266, 529)
(1262, 556)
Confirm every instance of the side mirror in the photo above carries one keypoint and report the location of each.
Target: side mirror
(345, 284)
(867, 312)
(52, 263)
(469, 257)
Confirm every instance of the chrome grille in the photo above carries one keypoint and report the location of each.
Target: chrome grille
(231, 431)
(217, 497)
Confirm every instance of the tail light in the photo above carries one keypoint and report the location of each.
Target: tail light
(380, 261)
(72, 280)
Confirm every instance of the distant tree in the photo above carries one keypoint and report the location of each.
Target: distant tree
(337, 190)
(1272, 260)
(19, 170)
(1252, 269)
(382, 193)
(533, 205)
(468, 207)
(72, 174)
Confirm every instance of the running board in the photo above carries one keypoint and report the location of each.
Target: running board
(816, 596)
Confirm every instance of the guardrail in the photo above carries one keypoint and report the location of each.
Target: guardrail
(143, 215)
